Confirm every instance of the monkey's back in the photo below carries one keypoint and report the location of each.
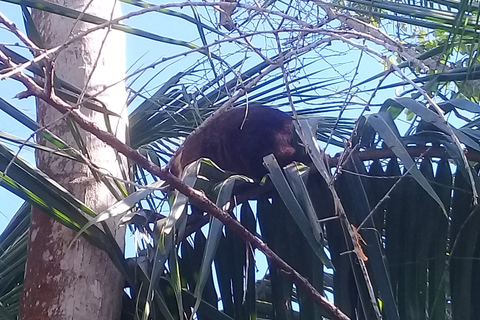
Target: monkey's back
(238, 140)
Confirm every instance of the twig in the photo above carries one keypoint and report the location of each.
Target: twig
(385, 197)
(366, 28)
(97, 58)
(13, 28)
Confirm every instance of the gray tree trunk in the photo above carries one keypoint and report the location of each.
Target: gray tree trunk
(79, 282)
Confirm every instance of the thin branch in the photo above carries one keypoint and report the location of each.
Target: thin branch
(13, 28)
(404, 51)
(100, 50)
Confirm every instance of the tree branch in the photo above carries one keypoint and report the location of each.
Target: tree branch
(196, 196)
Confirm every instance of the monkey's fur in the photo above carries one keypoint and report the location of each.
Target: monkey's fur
(238, 140)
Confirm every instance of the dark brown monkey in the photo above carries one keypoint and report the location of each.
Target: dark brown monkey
(238, 140)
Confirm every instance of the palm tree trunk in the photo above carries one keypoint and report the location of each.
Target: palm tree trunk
(77, 282)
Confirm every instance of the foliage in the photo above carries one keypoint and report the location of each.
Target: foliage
(409, 197)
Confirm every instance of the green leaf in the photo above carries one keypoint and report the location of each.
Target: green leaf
(294, 207)
(224, 192)
(122, 206)
(383, 124)
(35, 187)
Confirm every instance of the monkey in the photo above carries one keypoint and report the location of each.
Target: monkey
(238, 139)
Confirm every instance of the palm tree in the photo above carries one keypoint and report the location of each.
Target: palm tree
(398, 215)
